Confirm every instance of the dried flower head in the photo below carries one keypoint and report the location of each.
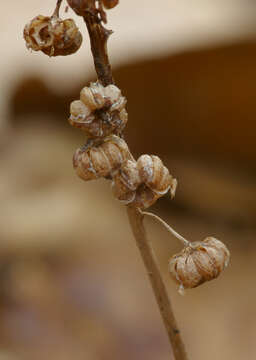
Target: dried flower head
(199, 262)
(52, 36)
(102, 160)
(141, 183)
(155, 175)
(100, 111)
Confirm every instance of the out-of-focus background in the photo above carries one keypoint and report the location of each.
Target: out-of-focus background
(72, 284)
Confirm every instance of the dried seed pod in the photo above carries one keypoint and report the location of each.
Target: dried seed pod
(52, 35)
(155, 175)
(109, 4)
(101, 161)
(126, 181)
(199, 262)
(103, 112)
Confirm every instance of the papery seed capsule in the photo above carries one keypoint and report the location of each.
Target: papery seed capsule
(103, 112)
(52, 35)
(199, 262)
(109, 4)
(37, 33)
(93, 96)
(101, 161)
(126, 181)
(67, 38)
(155, 175)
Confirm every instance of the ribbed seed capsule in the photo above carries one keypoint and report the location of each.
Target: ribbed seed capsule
(155, 175)
(199, 262)
(52, 35)
(101, 161)
(152, 181)
(103, 112)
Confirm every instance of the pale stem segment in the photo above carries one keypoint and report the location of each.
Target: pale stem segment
(98, 37)
(158, 285)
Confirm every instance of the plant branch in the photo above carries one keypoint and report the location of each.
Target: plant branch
(98, 38)
(147, 253)
(57, 9)
(168, 227)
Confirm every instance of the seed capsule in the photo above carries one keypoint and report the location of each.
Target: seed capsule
(52, 35)
(155, 175)
(141, 183)
(103, 112)
(199, 262)
(101, 161)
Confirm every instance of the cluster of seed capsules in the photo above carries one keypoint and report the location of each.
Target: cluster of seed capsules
(101, 114)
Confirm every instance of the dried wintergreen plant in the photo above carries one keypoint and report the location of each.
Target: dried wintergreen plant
(100, 113)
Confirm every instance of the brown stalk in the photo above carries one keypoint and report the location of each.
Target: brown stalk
(99, 37)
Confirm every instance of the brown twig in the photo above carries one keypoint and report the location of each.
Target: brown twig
(98, 37)
(57, 9)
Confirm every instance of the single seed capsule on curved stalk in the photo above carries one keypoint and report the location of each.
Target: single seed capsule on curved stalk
(155, 175)
(109, 4)
(52, 35)
(101, 161)
(199, 262)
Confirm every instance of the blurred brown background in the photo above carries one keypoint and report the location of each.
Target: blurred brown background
(72, 284)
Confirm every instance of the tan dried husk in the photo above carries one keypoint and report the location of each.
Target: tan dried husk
(199, 262)
(52, 35)
(141, 183)
(102, 160)
(154, 174)
(100, 111)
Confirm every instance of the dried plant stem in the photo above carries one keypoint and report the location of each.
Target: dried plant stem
(168, 227)
(98, 37)
(57, 9)
(156, 279)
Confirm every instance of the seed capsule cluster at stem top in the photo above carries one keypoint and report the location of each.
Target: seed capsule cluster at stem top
(100, 113)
